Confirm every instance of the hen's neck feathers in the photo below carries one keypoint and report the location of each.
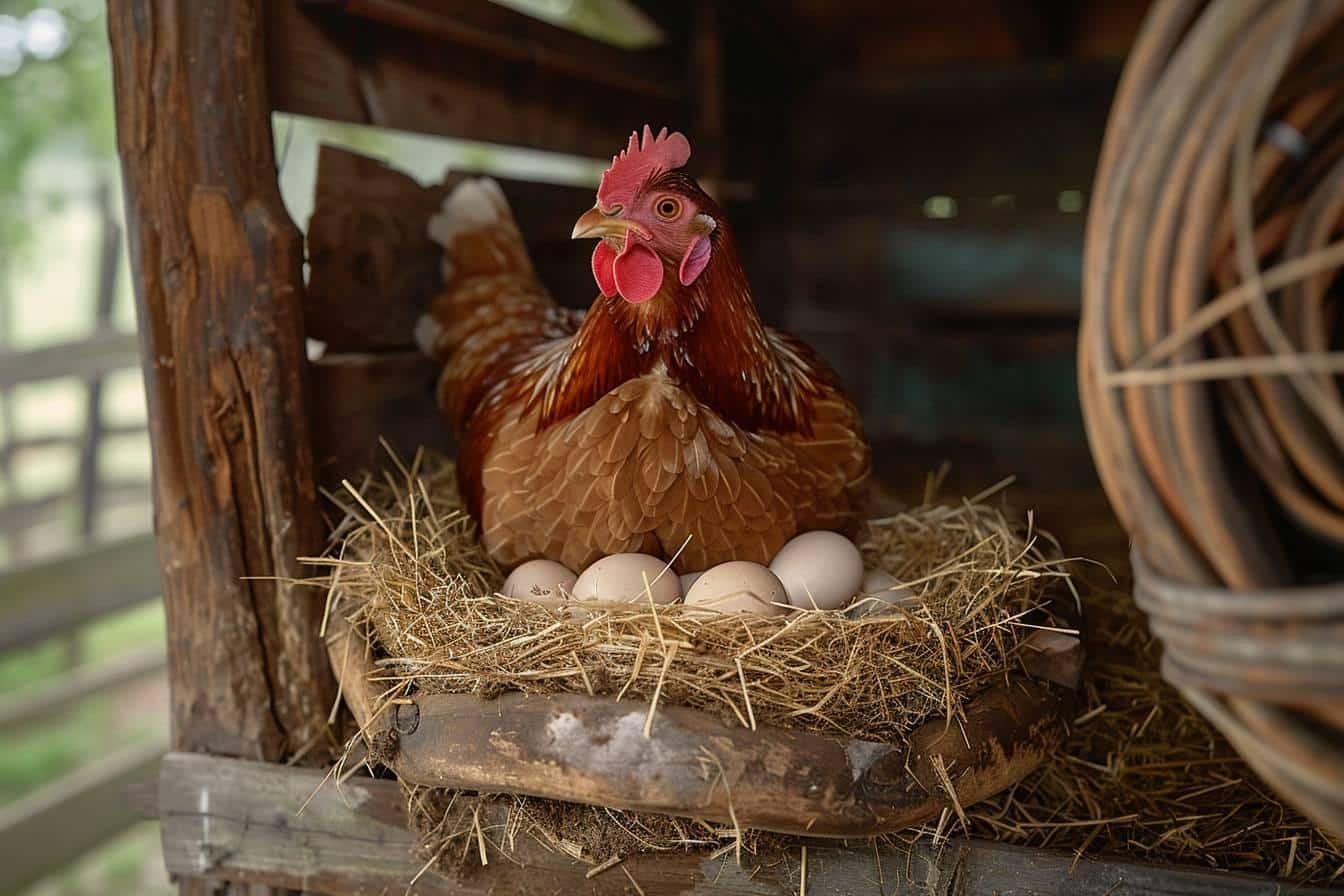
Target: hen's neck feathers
(707, 338)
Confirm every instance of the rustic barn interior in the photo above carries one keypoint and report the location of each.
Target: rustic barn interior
(866, 151)
(909, 181)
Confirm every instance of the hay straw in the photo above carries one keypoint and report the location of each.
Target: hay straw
(427, 592)
(1142, 775)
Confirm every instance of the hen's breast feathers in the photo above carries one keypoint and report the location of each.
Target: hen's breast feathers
(648, 466)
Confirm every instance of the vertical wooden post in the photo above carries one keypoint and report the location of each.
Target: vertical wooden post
(105, 284)
(216, 262)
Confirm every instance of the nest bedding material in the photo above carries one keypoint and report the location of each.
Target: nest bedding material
(1141, 775)
(408, 571)
(423, 587)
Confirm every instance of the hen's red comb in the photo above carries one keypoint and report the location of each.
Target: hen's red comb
(638, 162)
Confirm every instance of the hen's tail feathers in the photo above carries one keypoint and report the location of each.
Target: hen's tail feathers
(484, 260)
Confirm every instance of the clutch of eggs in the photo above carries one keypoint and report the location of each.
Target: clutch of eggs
(814, 570)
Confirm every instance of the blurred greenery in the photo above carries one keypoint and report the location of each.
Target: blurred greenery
(63, 103)
(127, 864)
(33, 756)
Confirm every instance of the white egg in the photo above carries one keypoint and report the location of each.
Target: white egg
(879, 592)
(543, 581)
(688, 580)
(620, 578)
(738, 586)
(819, 569)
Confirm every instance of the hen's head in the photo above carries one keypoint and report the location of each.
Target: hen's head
(652, 220)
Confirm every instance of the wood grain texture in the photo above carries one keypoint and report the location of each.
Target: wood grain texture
(216, 265)
(373, 268)
(502, 32)
(241, 820)
(444, 78)
(361, 401)
(593, 750)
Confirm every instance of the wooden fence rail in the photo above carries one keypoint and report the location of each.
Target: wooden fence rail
(37, 705)
(44, 599)
(44, 831)
(105, 351)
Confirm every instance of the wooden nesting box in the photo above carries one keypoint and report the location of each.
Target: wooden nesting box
(835, 133)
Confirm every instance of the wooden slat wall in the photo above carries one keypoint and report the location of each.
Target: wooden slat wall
(464, 68)
(960, 327)
(374, 268)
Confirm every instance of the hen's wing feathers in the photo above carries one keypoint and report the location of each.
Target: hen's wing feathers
(493, 314)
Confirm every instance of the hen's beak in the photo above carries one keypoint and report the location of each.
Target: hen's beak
(597, 223)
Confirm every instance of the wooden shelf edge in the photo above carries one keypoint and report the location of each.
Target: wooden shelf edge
(240, 820)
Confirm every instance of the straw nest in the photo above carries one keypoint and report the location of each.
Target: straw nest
(420, 583)
(1141, 775)
(407, 570)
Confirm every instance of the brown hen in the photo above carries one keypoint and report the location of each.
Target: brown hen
(666, 416)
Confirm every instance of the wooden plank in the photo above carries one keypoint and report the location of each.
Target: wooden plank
(37, 704)
(373, 267)
(986, 131)
(506, 34)
(43, 599)
(47, 830)
(592, 750)
(349, 69)
(105, 351)
(360, 401)
(217, 267)
(241, 820)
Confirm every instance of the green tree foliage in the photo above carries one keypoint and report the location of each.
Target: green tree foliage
(64, 102)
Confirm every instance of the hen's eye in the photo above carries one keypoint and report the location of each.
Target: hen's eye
(668, 208)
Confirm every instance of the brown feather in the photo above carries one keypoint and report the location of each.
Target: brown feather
(636, 427)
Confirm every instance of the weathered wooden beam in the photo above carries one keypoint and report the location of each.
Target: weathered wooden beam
(443, 77)
(42, 599)
(242, 821)
(506, 34)
(217, 271)
(46, 830)
(593, 750)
